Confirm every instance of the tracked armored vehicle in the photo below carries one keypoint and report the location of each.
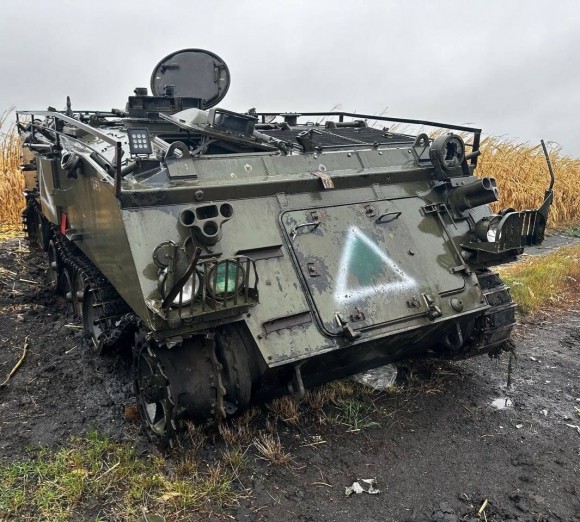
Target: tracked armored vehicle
(242, 256)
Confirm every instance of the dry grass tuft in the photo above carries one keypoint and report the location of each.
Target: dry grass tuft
(317, 398)
(270, 449)
(195, 435)
(236, 432)
(286, 409)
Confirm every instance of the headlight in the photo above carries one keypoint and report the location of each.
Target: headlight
(492, 231)
(225, 279)
(487, 229)
(188, 292)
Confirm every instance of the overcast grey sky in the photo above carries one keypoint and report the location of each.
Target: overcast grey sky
(511, 67)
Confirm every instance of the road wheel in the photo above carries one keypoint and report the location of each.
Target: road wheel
(79, 287)
(93, 321)
(68, 292)
(54, 267)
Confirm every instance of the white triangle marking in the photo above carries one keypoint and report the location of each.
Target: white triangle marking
(344, 294)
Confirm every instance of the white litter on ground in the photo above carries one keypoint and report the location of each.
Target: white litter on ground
(502, 403)
(379, 378)
(362, 486)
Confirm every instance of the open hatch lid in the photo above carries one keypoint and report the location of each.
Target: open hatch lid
(193, 73)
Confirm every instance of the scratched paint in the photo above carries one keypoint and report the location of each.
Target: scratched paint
(363, 260)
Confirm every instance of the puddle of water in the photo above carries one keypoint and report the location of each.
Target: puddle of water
(502, 403)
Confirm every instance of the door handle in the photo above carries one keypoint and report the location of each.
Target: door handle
(294, 232)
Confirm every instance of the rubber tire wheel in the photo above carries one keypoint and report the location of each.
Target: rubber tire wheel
(54, 267)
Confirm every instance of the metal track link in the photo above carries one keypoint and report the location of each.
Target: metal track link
(115, 316)
(493, 329)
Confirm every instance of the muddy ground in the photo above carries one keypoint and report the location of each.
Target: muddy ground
(441, 452)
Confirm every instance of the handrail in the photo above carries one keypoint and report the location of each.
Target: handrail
(89, 130)
(72, 121)
(341, 115)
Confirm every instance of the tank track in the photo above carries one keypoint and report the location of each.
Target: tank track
(114, 315)
(491, 332)
(205, 378)
(30, 216)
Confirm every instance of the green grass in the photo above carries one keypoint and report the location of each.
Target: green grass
(356, 414)
(89, 471)
(544, 281)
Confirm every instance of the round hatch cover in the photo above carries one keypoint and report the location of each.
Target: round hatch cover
(192, 73)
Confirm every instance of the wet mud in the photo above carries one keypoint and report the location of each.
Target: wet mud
(442, 452)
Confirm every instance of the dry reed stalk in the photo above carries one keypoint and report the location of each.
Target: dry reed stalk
(11, 179)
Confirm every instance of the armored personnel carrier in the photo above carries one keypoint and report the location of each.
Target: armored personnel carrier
(242, 256)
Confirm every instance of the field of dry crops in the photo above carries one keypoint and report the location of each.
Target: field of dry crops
(519, 168)
(11, 179)
(522, 176)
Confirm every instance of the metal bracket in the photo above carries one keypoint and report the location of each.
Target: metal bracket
(347, 330)
(434, 311)
(312, 270)
(327, 182)
(296, 385)
(282, 199)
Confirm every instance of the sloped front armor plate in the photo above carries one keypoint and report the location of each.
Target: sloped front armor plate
(369, 264)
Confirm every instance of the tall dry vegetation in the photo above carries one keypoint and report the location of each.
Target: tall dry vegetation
(519, 168)
(522, 176)
(11, 179)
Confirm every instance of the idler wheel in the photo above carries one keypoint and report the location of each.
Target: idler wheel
(42, 234)
(79, 287)
(68, 292)
(154, 398)
(93, 321)
(175, 384)
(32, 219)
(54, 267)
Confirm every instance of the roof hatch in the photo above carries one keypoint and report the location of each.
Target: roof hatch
(192, 73)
